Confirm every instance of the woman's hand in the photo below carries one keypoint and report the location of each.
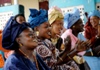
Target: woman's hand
(67, 43)
(82, 45)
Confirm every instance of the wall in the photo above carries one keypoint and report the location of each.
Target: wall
(97, 1)
(28, 4)
(70, 3)
(89, 5)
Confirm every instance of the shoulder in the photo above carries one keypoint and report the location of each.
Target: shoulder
(13, 62)
(66, 33)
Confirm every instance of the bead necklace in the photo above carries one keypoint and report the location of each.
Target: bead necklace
(29, 58)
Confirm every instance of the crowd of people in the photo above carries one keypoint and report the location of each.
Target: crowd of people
(51, 41)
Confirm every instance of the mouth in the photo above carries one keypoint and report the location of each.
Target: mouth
(60, 31)
(49, 33)
(35, 40)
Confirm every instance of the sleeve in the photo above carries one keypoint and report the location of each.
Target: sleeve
(18, 66)
(87, 33)
(43, 51)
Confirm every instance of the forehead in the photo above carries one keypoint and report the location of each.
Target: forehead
(45, 23)
(79, 22)
(21, 17)
(94, 17)
(27, 30)
(58, 21)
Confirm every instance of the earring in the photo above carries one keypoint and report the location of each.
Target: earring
(99, 22)
(20, 45)
(37, 33)
(73, 26)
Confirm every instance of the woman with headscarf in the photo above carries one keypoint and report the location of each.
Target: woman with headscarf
(73, 23)
(20, 18)
(55, 18)
(21, 39)
(92, 33)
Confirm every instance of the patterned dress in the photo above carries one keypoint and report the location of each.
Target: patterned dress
(46, 51)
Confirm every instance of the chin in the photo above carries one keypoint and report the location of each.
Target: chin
(35, 44)
(47, 38)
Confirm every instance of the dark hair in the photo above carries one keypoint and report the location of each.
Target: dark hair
(19, 15)
(86, 14)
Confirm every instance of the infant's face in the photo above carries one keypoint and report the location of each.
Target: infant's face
(20, 19)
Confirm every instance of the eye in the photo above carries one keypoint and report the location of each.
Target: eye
(31, 35)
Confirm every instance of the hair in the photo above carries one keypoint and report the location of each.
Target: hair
(86, 14)
(90, 32)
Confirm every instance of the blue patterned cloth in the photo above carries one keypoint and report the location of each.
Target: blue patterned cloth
(37, 17)
(71, 18)
(93, 62)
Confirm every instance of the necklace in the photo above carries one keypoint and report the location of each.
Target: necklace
(54, 40)
(35, 60)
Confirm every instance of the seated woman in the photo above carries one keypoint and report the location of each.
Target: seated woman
(21, 39)
(73, 23)
(92, 33)
(19, 18)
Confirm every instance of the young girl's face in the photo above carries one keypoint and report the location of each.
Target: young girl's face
(57, 27)
(20, 19)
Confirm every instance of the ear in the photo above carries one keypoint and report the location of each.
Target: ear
(18, 40)
(36, 28)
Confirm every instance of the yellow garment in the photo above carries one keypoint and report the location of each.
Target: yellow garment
(54, 41)
(78, 59)
(54, 15)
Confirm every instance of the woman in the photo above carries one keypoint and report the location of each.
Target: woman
(92, 33)
(74, 25)
(20, 18)
(55, 18)
(21, 39)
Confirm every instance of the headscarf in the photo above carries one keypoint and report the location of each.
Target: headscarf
(71, 18)
(94, 13)
(10, 32)
(54, 13)
(36, 17)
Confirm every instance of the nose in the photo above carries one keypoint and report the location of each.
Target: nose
(49, 28)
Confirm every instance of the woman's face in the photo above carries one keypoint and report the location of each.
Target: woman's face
(57, 27)
(94, 21)
(28, 39)
(79, 25)
(20, 19)
(44, 30)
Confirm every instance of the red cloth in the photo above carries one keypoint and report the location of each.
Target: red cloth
(1, 48)
(90, 32)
